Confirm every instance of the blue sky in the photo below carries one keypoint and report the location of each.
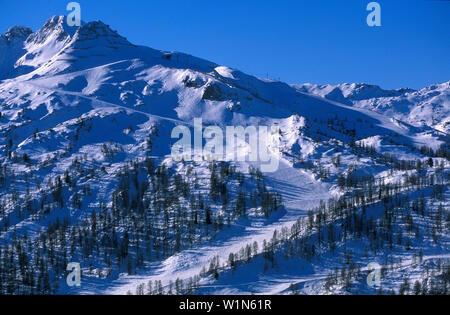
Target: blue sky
(318, 41)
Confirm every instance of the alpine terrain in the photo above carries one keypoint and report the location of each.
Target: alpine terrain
(359, 203)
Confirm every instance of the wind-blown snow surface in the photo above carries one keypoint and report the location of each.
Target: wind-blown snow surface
(69, 92)
(429, 106)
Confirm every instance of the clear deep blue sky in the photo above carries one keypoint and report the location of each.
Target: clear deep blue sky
(318, 41)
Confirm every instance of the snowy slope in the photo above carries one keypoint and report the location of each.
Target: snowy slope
(429, 106)
(85, 105)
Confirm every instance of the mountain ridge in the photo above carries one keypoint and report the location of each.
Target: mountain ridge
(428, 106)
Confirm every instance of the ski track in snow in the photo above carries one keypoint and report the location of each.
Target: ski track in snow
(300, 192)
(100, 103)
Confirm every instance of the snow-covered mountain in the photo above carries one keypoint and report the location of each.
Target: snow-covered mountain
(87, 176)
(429, 106)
